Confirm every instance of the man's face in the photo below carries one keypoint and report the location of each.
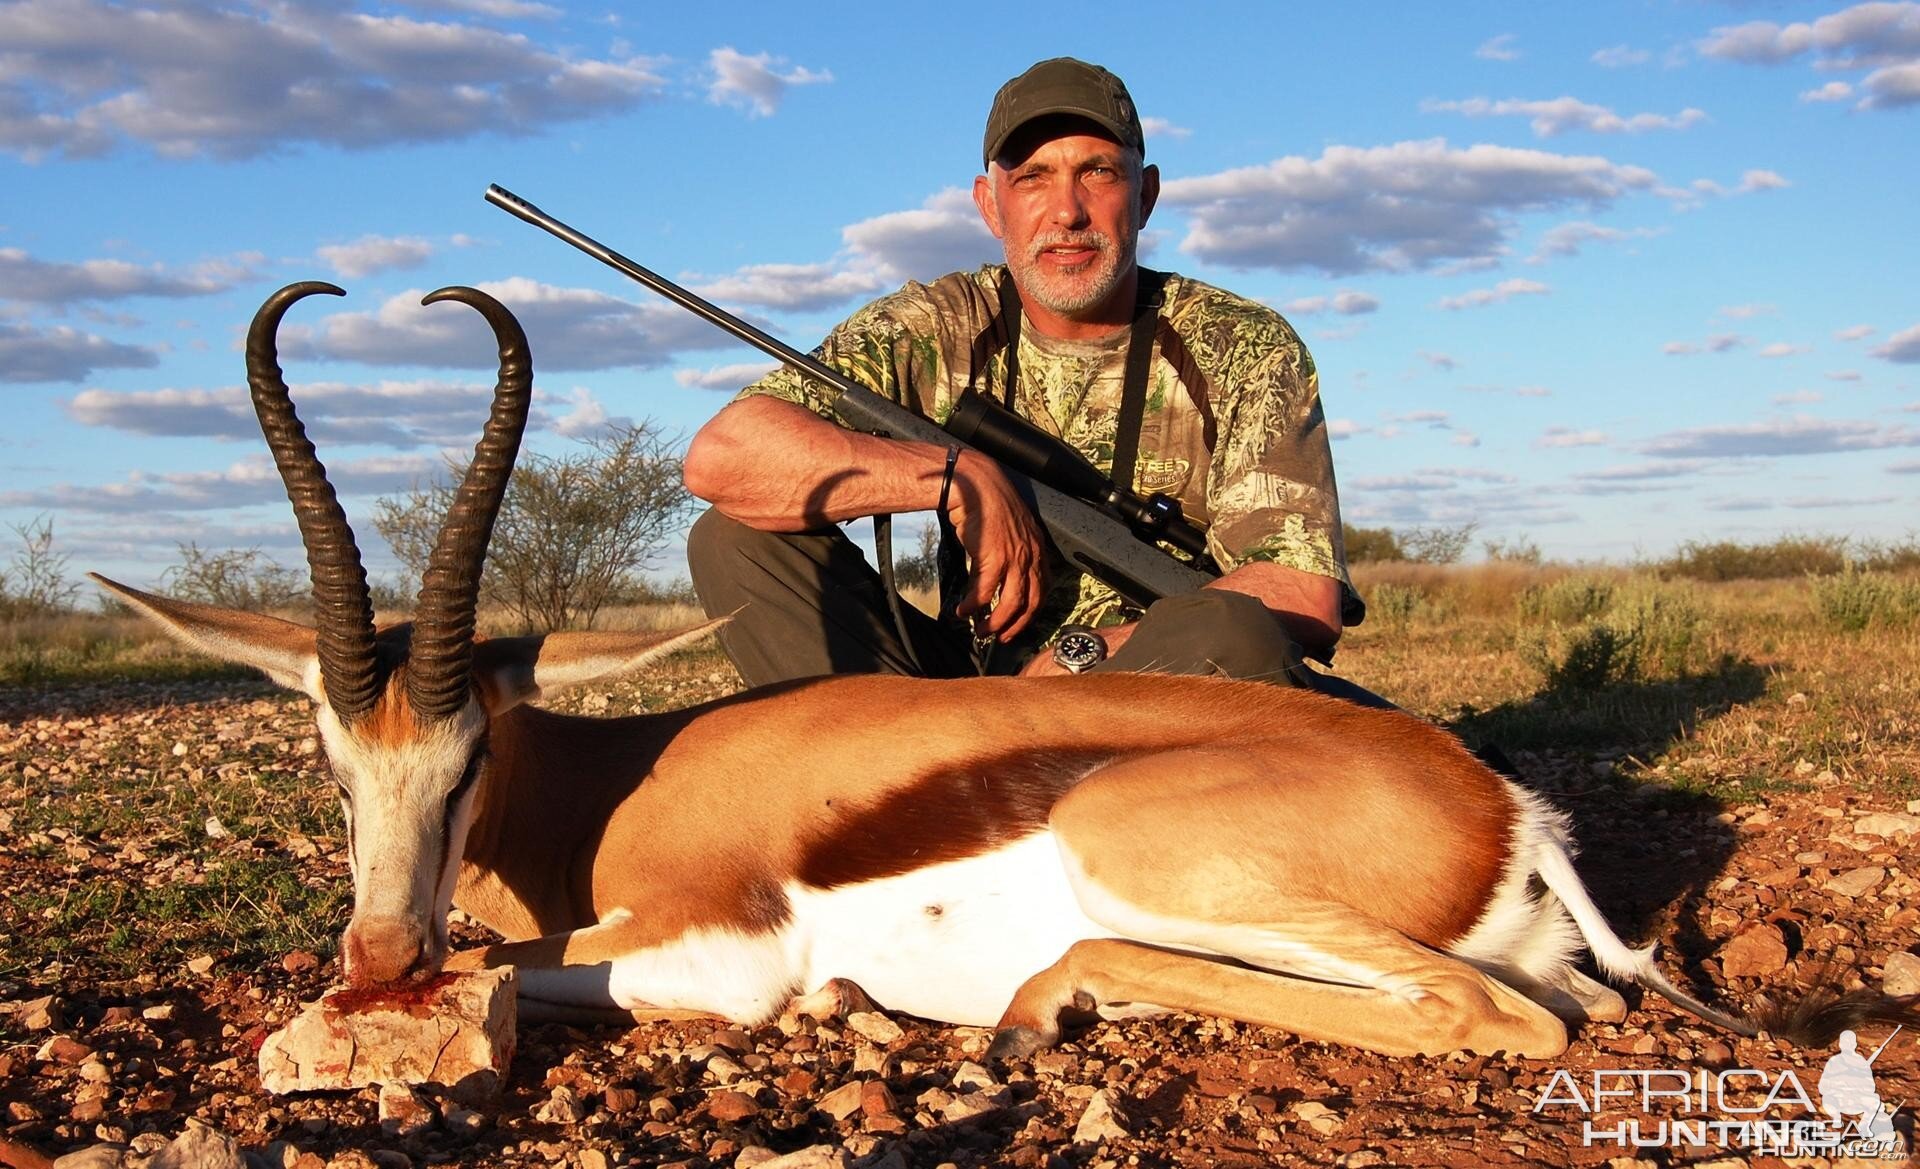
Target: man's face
(1069, 212)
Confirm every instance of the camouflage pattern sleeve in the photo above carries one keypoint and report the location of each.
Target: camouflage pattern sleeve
(873, 347)
(1271, 485)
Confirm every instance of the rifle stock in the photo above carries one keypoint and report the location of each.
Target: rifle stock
(1089, 538)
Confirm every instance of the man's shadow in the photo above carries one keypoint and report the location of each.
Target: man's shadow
(1644, 845)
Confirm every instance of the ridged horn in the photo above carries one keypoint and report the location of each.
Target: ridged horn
(440, 673)
(343, 610)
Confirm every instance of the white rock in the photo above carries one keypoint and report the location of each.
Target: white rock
(874, 1026)
(97, 1157)
(971, 1105)
(563, 1106)
(971, 1077)
(199, 1147)
(457, 1031)
(403, 1111)
(1887, 824)
(1857, 882)
(1099, 1122)
(811, 1157)
(1900, 974)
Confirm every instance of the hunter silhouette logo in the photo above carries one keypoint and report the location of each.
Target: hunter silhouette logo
(1847, 1092)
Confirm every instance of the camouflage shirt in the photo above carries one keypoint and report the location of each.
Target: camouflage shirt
(1232, 429)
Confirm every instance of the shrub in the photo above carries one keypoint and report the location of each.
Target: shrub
(35, 584)
(1366, 545)
(1650, 629)
(573, 532)
(1727, 560)
(239, 578)
(1517, 550)
(1852, 600)
(1570, 599)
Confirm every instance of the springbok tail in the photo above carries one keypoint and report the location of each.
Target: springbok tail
(1615, 957)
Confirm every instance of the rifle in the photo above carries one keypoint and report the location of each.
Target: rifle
(1108, 538)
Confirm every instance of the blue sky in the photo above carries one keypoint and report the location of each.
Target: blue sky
(1602, 277)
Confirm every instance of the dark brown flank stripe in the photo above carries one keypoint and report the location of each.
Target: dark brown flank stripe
(962, 811)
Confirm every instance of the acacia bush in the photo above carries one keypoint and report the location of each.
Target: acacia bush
(573, 533)
(35, 583)
(238, 578)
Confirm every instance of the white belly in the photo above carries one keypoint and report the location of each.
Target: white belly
(950, 942)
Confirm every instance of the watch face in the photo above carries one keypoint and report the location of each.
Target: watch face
(1078, 650)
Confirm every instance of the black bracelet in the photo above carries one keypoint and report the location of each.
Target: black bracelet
(946, 481)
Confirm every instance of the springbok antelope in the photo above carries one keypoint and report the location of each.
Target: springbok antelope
(989, 851)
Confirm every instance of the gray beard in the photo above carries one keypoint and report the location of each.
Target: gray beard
(1067, 294)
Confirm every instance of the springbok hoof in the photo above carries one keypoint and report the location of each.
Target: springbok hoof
(1012, 1043)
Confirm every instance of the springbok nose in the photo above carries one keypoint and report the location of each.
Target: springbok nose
(383, 950)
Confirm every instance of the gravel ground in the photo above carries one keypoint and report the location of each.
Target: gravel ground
(1747, 899)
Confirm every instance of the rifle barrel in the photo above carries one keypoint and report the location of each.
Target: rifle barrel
(705, 309)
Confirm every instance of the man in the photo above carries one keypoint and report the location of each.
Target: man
(1229, 424)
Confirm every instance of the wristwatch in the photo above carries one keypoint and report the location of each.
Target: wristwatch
(1078, 648)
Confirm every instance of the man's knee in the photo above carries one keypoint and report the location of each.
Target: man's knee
(1212, 631)
(715, 541)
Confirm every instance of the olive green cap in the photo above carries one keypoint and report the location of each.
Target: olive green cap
(1063, 85)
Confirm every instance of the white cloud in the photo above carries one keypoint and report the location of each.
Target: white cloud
(250, 481)
(1556, 437)
(725, 377)
(1903, 347)
(1862, 36)
(942, 235)
(754, 83)
(1844, 375)
(1499, 48)
(1679, 348)
(404, 415)
(567, 328)
(1783, 349)
(1441, 361)
(586, 416)
(498, 9)
(1795, 436)
(233, 80)
(1725, 342)
(1560, 115)
(1831, 91)
(1345, 302)
(1746, 312)
(1854, 332)
(1532, 392)
(1761, 180)
(1893, 87)
(1505, 290)
(1162, 128)
(1407, 206)
(1565, 239)
(375, 253)
(24, 278)
(1798, 398)
(1620, 55)
(63, 354)
(790, 286)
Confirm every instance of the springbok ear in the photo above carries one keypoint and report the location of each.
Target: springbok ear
(513, 670)
(283, 650)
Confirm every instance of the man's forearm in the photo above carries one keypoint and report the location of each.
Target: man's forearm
(779, 467)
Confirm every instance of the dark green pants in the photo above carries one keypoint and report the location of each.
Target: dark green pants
(809, 603)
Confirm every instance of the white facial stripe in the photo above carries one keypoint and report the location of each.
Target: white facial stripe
(400, 868)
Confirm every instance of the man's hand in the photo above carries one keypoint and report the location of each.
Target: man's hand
(1006, 549)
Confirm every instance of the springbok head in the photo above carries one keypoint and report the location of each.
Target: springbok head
(404, 712)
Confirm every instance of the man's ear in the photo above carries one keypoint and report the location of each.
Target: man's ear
(1149, 191)
(512, 670)
(983, 198)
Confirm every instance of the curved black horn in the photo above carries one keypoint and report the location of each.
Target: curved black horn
(440, 673)
(342, 608)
